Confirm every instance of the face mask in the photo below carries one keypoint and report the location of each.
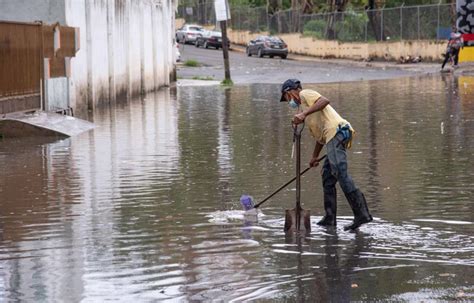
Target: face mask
(293, 103)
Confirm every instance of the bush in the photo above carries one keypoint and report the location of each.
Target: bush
(191, 63)
(226, 82)
(352, 28)
(349, 26)
(315, 28)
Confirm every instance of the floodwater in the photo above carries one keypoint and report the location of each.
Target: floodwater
(146, 206)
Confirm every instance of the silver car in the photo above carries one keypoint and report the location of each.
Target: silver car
(188, 33)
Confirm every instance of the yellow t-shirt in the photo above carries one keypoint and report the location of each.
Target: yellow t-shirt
(322, 124)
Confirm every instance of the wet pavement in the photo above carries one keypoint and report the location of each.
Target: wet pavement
(146, 206)
(252, 70)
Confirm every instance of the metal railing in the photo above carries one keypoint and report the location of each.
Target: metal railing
(424, 22)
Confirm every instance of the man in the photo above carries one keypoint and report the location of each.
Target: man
(328, 128)
(455, 43)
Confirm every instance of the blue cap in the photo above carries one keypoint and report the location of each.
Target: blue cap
(289, 85)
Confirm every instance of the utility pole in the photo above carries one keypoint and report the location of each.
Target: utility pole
(225, 51)
(222, 15)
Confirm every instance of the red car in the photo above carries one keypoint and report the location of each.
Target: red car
(267, 46)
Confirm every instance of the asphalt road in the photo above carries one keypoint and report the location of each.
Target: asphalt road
(245, 70)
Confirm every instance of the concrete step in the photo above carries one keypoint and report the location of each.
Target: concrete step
(42, 124)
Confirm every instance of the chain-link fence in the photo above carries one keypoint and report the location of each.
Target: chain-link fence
(401, 23)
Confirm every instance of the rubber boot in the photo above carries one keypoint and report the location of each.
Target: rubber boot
(330, 206)
(359, 208)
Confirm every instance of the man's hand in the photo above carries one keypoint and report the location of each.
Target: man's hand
(299, 118)
(314, 162)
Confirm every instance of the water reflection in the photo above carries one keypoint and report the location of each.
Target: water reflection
(146, 206)
(334, 282)
(224, 148)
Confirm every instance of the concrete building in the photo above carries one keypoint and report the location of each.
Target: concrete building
(125, 47)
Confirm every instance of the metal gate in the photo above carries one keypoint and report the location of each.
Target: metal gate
(21, 66)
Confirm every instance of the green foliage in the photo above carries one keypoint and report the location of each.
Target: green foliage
(251, 19)
(249, 3)
(226, 82)
(207, 78)
(352, 27)
(315, 28)
(349, 27)
(323, 6)
(191, 63)
(286, 4)
(397, 3)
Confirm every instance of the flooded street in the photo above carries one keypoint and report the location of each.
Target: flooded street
(146, 206)
(251, 70)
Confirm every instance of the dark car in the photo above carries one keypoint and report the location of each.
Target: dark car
(267, 46)
(210, 39)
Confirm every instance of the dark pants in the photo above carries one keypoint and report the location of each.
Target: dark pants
(451, 53)
(335, 166)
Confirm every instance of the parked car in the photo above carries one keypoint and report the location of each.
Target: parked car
(188, 33)
(267, 46)
(210, 39)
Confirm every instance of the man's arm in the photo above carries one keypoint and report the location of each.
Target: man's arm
(317, 149)
(320, 104)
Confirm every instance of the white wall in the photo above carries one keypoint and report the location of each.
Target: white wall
(125, 45)
(79, 67)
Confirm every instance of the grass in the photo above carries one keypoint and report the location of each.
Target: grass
(191, 63)
(203, 78)
(227, 82)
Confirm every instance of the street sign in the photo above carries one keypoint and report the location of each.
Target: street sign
(222, 10)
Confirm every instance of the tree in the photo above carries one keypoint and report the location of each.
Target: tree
(373, 19)
(273, 7)
(337, 7)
